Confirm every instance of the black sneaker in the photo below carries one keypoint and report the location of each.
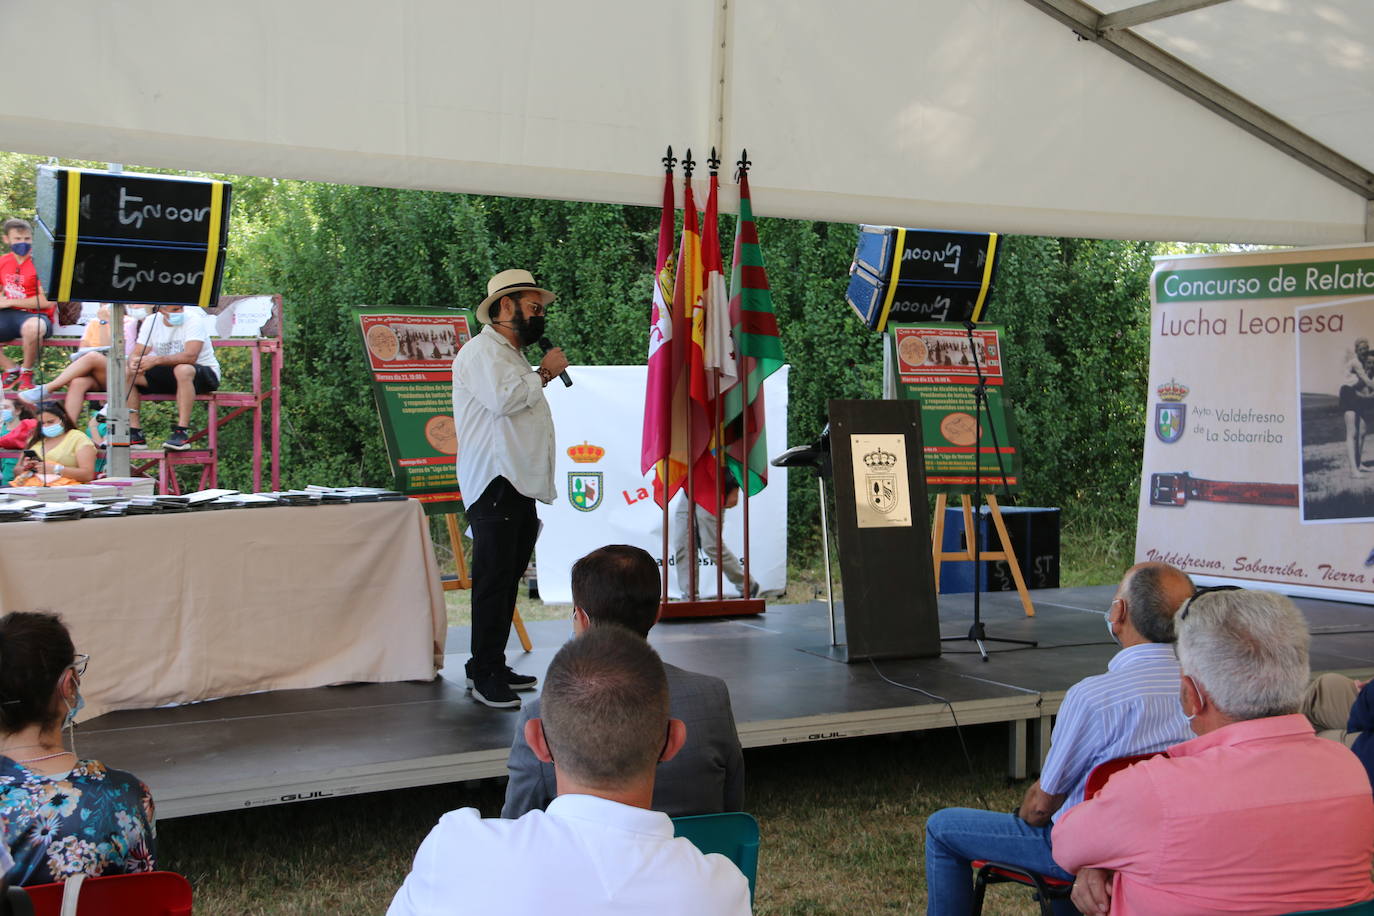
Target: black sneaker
(178, 441)
(515, 681)
(491, 690)
(136, 439)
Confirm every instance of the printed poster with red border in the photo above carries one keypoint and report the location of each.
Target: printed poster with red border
(409, 353)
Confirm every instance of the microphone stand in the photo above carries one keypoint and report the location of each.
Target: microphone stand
(978, 634)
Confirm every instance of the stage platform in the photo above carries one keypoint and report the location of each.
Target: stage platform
(290, 746)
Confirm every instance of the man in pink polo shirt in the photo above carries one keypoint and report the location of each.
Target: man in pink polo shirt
(1255, 815)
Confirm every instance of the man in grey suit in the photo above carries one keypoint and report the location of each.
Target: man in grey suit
(620, 585)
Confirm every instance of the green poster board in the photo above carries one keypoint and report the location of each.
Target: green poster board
(409, 353)
(934, 365)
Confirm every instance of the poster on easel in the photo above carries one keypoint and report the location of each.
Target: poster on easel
(409, 353)
(934, 363)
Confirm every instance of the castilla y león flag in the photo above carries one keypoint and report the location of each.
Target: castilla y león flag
(664, 371)
(759, 348)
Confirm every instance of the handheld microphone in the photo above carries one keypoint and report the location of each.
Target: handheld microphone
(545, 345)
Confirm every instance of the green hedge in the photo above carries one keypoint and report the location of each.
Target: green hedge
(1076, 312)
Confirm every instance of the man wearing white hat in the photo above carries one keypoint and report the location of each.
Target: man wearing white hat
(505, 463)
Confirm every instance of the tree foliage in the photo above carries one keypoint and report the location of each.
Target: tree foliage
(1076, 313)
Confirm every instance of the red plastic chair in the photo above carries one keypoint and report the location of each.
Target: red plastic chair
(1047, 887)
(154, 893)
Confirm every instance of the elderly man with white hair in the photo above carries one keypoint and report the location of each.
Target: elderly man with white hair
(1255, 815)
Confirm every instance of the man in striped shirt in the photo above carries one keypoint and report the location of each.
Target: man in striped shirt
(1133, 708)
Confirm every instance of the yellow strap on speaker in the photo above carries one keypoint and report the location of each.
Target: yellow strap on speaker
(987, 277)
(897, 250)
(64, 279)
(207, 282)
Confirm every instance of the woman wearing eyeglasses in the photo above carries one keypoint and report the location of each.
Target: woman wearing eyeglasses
(61, 815)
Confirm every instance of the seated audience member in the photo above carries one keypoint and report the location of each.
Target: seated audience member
(87, 370)
(619, 584)
(62, 815)
(65, 455)
(1341, 709)
(16, 428)
(597, 849)
(173, 355)
(86, 373)
(1256, 814)
(1131, 709)
(26, 314)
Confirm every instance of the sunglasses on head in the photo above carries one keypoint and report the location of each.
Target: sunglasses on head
(1205, 590)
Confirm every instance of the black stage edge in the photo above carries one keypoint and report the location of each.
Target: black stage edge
(297, 745)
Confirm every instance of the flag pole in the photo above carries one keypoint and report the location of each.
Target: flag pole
(688, 165)
(718, 418)
(669, 161)
(741, 169)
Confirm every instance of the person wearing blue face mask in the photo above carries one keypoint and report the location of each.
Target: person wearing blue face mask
(64, 454)
(16, 428)
(61, 815)
(173, 355)
(25, 313)
(1132, 708)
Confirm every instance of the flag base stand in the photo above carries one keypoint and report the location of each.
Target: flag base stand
(709, 607)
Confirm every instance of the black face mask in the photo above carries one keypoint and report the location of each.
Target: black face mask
(528, 329)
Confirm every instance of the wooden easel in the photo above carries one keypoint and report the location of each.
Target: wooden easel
(1006, 554)
(463, 580)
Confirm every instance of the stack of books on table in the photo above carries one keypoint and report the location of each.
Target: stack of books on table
(355, 494)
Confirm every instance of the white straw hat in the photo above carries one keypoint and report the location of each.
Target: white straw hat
(506, 283)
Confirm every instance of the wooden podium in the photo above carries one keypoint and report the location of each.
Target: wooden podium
(880, 512)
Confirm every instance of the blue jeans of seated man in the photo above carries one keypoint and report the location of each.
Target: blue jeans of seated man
(957, 836)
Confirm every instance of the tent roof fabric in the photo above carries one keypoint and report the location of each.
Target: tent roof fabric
(962, 114)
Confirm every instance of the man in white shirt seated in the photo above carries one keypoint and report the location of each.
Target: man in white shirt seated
(598, 849)
(1132, 708)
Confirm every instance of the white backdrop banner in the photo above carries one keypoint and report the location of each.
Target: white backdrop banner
(1259, 463)
(604, 499)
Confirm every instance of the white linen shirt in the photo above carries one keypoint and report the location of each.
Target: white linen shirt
(1131, 709)
(584, 855)
(165, 340)
(503, 423)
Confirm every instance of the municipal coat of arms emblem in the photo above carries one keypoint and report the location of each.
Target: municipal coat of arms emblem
(584, 490)
(880, 480)
(1171, 413)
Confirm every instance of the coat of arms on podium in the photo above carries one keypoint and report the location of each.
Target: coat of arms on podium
(881, 489)
(880, 480)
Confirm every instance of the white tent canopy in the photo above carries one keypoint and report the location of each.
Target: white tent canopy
(966, 114)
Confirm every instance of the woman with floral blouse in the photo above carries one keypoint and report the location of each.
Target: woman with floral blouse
(61, 815)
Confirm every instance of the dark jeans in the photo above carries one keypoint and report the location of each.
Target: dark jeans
(504, 526)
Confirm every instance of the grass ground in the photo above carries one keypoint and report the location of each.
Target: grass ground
(842, 821)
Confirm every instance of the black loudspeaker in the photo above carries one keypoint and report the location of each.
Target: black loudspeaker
(129, 237)
(921, 275)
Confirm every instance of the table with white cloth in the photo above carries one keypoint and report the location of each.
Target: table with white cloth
(188, 606)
